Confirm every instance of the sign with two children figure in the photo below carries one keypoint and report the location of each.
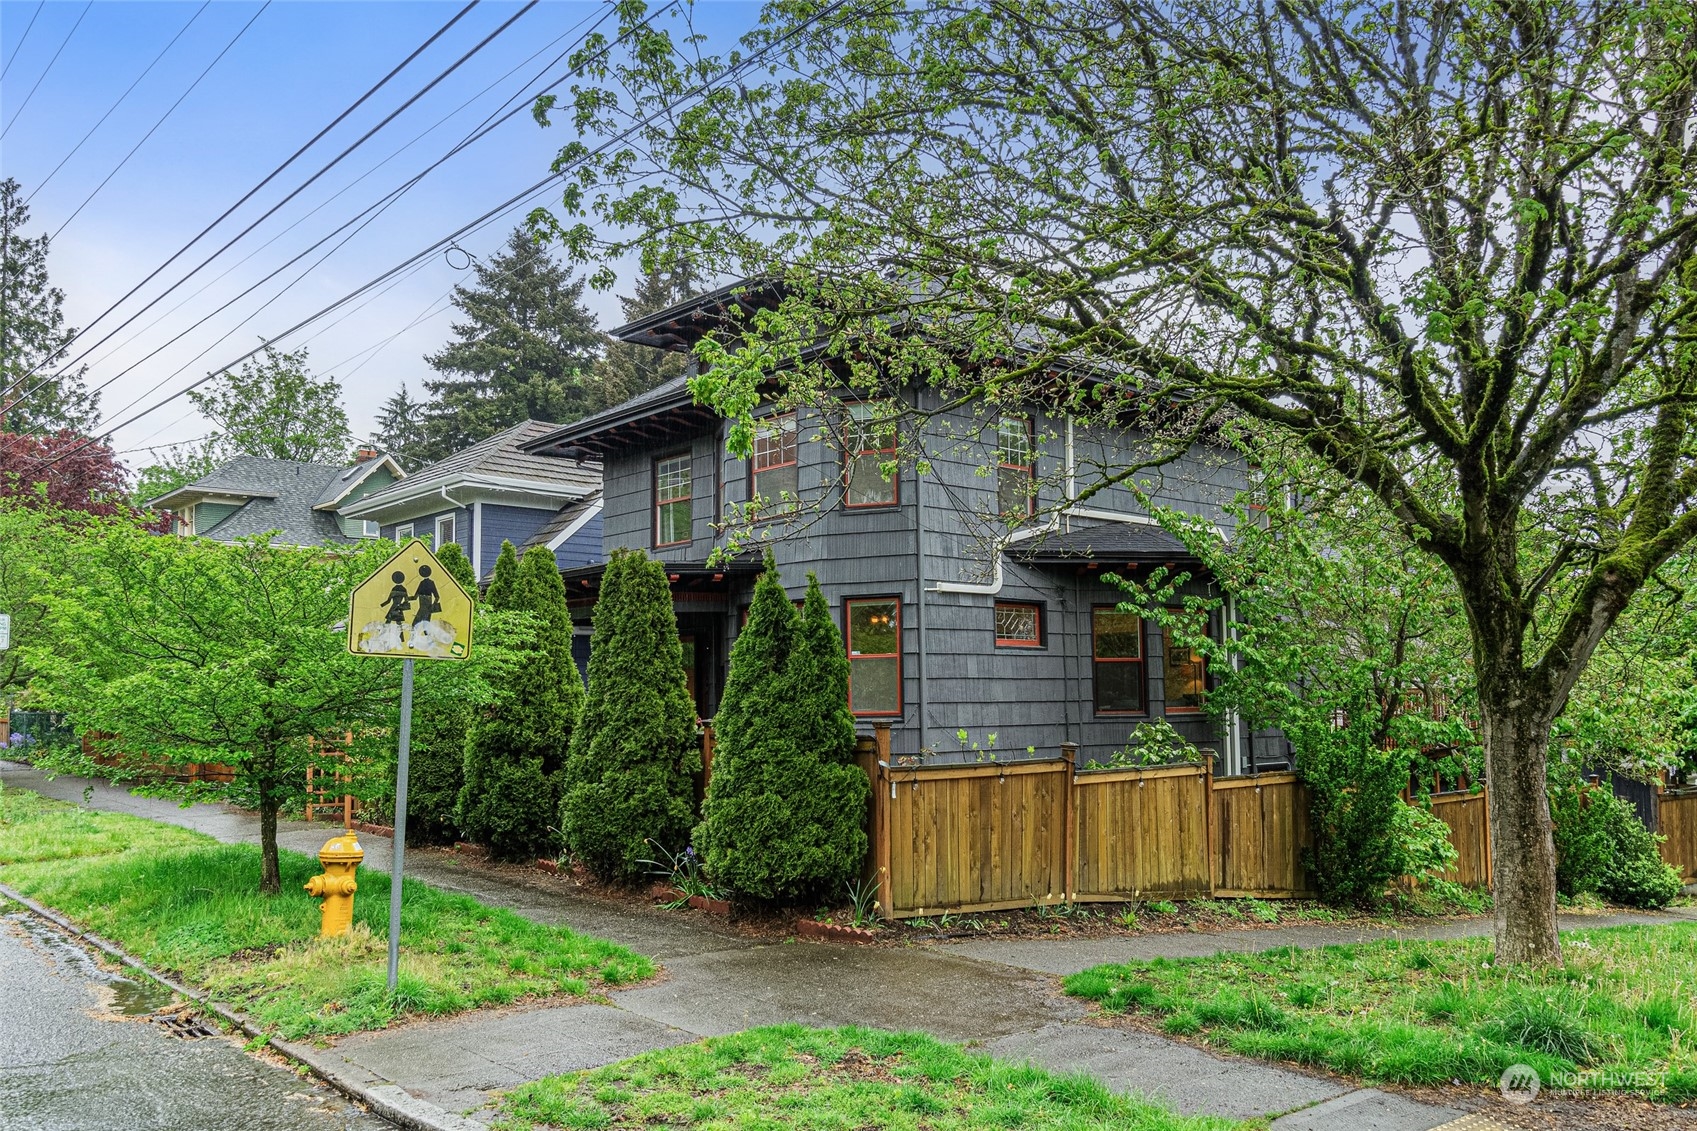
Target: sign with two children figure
(410, 609)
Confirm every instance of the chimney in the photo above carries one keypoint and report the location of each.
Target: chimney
(366, 454)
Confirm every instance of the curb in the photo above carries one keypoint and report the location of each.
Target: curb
(390, 1101)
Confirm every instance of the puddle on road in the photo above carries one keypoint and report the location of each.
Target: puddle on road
(119, 995)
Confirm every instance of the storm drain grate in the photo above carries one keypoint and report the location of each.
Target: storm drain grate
(185, 1026)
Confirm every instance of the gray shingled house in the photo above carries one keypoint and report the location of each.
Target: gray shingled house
(304, 503)
(495, 491)
(948, 630)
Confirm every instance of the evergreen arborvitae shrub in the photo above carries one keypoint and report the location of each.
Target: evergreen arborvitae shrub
(784, 818)
(505, 577)
(437, 770)
(515, 755)
(630, 777)
(1355, 791)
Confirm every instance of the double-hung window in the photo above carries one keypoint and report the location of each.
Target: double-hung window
(444, 531)
(1117, 653)
(774, 466)
(1015, 468)
(870, 444)
(1186, 676)
(1018, 625)
(672, 495)
(403, 533)
(875, 655)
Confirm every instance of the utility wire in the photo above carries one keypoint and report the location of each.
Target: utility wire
(172, 109)
(120, 102)
(269, 177)
(732, 72)
(339, 193)
(370, 214)
(22, 39)
(25, 104)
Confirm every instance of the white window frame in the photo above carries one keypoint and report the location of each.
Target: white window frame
(186, 518)
(403, 534)
(441, 539)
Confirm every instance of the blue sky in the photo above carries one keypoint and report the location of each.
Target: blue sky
(297, 67)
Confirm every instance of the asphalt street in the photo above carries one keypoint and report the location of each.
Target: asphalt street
(82, 1049)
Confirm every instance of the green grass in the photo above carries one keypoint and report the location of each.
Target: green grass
(184, 903)
(838, 1079)
(1619, 1014)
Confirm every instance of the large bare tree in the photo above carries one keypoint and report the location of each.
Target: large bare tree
(1446, 245)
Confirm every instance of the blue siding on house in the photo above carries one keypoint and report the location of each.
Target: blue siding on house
(507, 523)
(582, 548)
(424, 526)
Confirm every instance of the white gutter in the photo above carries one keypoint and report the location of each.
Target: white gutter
(575, 525)
(381, 501)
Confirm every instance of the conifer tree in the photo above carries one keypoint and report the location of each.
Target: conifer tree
(504, 579)
(515, 754)
(629, 777)
(39, 394)
(785, 807)
(627, 369)
(400, 429)
(438, 741)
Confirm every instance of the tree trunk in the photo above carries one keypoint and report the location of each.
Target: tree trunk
(1523, 855)
(270, 876)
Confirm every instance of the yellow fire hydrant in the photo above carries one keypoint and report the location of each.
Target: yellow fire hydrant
(340, 856)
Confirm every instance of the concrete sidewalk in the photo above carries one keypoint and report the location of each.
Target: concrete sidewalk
(1000, 995)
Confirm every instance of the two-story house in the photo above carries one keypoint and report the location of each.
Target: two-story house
(950, 626)
(301, 503)
(495, 491)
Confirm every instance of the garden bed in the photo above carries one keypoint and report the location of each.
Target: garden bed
(790, 1076)
(189, 906)
(1614, 1019)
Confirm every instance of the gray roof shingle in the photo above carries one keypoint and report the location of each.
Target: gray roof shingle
(501, 456)
(1109, 542)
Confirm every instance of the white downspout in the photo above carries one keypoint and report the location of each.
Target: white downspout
(477, 539)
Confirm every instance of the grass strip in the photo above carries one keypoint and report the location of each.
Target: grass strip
(184, 903)
(1617, 1017)
(795, 1077)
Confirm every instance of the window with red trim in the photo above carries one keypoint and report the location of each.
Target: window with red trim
(1186, 676)
(773, 468)
(1016, 493)
(1019, 625)
(1117, 652)
(875, 655)
(672, 499)
(871, 444)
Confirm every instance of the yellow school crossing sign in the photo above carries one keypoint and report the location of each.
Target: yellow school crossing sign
(410, 608)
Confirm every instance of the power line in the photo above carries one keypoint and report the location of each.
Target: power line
(172, 109)
(393, 196)
(735, 69)
(269, 177)
(25, 104)
(339, 193)
(120, 102)
(22, 39)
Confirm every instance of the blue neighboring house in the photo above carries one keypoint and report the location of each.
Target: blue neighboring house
(297, 502)
(495, 491)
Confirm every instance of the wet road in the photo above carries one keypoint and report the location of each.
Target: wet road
(79, 1053)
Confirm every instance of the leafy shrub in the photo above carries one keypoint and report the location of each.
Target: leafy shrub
(629, 778)
(1602, 846)
(516, 751)
(1155, 743)
(785, 809)
(1356, 811)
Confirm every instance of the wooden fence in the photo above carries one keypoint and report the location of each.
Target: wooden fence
(987, 837)
(1676, 819)
(1468, 816)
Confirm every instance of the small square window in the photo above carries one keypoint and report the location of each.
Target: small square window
(1018, 625)
(403, 533)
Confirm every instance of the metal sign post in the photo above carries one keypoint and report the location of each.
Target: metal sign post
(414, 609)
(396, 871)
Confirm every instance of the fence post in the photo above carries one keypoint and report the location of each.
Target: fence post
(881, 789)
(1069, 820)
(1210, 834)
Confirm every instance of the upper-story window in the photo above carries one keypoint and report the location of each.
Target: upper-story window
(444, 531)
(672, 493)
(870, 443)
(1016, 492)
(185, 520)
(403, 533)
(774, 465)
(1117, 651)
